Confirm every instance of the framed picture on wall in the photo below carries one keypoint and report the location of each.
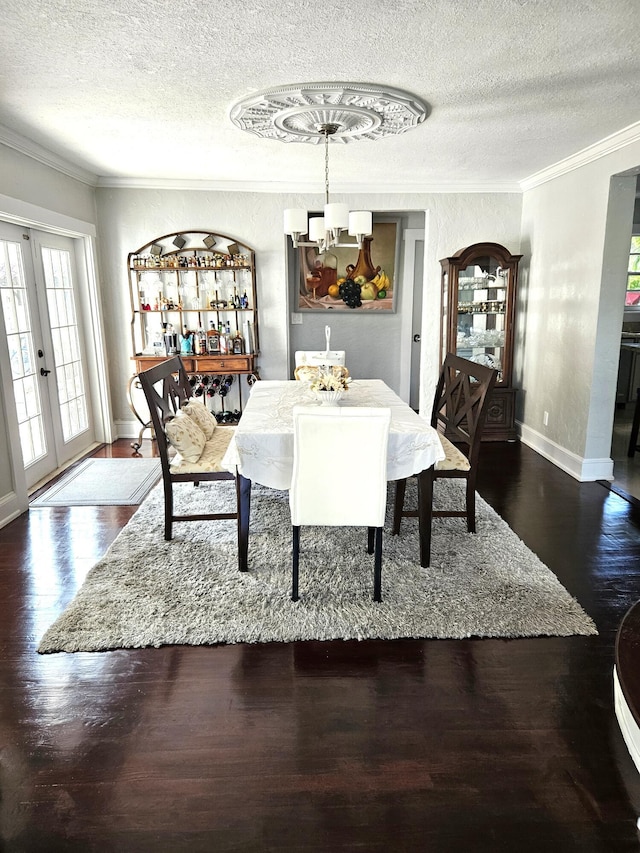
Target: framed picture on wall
(355, 279)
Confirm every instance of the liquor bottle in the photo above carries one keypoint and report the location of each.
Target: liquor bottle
(238, 343)
(244, 300)
(186, 342)
(224, 343)
(213, 340)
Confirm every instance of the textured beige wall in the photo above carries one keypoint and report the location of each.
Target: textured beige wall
(575, 231)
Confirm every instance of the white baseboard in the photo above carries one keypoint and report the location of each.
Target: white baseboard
(130, 429)
(10, 508)
(584, 470)
(626, 721)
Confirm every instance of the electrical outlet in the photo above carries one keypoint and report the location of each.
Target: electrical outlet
(545, 419)
(296, 319)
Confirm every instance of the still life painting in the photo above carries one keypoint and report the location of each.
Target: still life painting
(350, 278)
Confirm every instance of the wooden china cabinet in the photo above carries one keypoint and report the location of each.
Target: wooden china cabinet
(193, 293)
(478, 308)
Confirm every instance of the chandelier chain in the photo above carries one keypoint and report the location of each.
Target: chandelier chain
(326, 166)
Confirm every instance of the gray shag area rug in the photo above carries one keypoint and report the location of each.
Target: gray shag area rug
(148, 592)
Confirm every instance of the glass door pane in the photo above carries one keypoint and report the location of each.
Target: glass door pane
(66, 344)
(17, 318)
(482, 300)
(62, 309)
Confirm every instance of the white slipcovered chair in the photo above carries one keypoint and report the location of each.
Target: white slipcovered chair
(307, 373)
(338, 479)
(318, 358)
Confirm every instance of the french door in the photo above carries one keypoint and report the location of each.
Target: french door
(40, 307)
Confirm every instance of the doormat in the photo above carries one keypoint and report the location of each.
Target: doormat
(103, 482)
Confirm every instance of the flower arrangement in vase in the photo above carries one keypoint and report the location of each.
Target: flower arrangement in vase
(329, 388)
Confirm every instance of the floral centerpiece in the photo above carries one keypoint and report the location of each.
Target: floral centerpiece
(329, 388)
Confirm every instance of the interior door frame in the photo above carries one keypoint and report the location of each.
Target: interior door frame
(413, 288)
(83, 234)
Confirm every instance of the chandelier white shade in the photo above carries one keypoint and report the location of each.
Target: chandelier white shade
(360, 224)
(336, 217)
(317, 229)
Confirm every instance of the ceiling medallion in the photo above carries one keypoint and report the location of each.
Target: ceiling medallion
(301, 113)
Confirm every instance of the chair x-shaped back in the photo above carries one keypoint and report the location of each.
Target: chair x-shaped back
(459, 412)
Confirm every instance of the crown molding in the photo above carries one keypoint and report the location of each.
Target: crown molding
(310, 188)
(599, 149)
(37, 152)
(608, 145)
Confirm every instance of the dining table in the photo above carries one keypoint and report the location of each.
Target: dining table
(261, 450)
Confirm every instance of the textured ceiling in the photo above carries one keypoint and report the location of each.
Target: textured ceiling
(141, 89)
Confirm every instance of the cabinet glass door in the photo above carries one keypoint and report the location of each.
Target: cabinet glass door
(481, 310)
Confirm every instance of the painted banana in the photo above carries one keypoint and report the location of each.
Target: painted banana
(382, 280)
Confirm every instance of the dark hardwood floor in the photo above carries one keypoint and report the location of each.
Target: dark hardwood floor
(474, 745)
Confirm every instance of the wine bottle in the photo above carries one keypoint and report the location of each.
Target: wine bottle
(226, 384)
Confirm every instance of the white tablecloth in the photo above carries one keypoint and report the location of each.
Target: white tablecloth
(262, 447)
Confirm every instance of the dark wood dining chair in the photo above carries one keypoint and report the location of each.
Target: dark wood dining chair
(459, 412)
(169, 397)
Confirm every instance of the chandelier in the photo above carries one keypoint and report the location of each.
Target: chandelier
(324, 231)
(316, 112)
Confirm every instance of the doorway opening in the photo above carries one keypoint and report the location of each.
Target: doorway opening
(626, 469)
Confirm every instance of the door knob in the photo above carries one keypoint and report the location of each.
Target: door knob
(44, 372)
(416, 339)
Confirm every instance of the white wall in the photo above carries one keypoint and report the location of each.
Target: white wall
(455, 221)
(28, 180)
(575, 239)
(129, 218)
